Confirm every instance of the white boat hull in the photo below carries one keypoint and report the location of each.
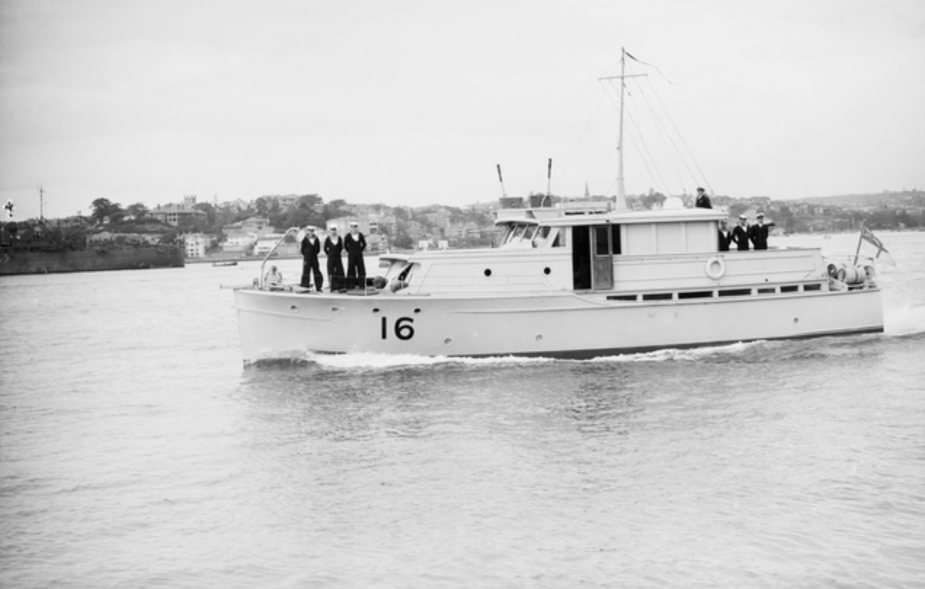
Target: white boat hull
(275, 324)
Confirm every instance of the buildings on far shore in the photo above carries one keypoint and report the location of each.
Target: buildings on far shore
(196, 245)
(241, 237)
(180, 215)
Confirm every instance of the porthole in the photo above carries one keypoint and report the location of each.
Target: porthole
(417, 310)
(546, 270)
(487, 271)
(375, 309)
(447, 341)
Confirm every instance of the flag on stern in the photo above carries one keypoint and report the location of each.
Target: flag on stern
(882, 253)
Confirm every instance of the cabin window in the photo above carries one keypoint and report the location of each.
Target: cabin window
(627, 298)
(657, 296)
(559, 239)
(809, 287)
(735, 292)
(528, 232)
(519, 232)
(542, 234)
(395, 267)
(701, 294)
(601, 243)
(789, 288)
(615, 245)
(508, 233)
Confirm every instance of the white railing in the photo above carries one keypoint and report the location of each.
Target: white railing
(270, 253)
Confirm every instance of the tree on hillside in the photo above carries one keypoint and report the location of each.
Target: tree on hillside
(297, 217)
(103, 207)
(403, 242)
(263, 206)
(137, 210)
(169, 238)
(309, 201)
(209, 210)
(335, 209)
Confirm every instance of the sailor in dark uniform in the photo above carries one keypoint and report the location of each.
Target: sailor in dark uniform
(703, 201)
(758, 233)
(311, 247)
(724, 236)
(740, 234)
(333, 248)
(355, 244)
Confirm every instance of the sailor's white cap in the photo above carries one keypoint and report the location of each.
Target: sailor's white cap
(742, 216)
(761, 214)
(332, 226)
(353, 223)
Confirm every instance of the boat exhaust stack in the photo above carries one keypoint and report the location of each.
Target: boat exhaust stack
(500, 179)
(548, 181)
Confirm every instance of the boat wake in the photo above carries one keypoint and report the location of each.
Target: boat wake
(386, 361)
(371, 361)
(906, 320)
(735, 350)
(760, 351)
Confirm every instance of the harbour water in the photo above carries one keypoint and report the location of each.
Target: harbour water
(136, 450)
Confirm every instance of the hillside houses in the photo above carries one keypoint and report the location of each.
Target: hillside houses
(241, 237)
(178, 216)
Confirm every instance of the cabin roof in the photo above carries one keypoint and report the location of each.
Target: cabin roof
(624, 216)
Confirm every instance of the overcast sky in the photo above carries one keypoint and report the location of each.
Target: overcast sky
(415, 102)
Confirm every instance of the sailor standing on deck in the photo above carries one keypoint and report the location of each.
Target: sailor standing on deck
(311, 247)
(355, 244)
(703, 201)
(758, 233)
(740, 234)
(724, 236)
(333, 247)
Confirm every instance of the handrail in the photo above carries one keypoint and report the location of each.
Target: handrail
(270, 253)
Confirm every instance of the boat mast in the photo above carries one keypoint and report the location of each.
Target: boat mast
(41, 203)
(621, 189)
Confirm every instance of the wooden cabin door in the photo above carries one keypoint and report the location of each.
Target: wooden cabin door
(601, 258)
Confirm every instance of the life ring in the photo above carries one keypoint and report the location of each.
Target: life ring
(715, 269)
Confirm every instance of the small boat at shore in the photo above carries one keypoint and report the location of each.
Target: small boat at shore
(220, 264)
(573, 280)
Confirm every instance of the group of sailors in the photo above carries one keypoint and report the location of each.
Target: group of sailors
(741, 234)
(354, 243)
